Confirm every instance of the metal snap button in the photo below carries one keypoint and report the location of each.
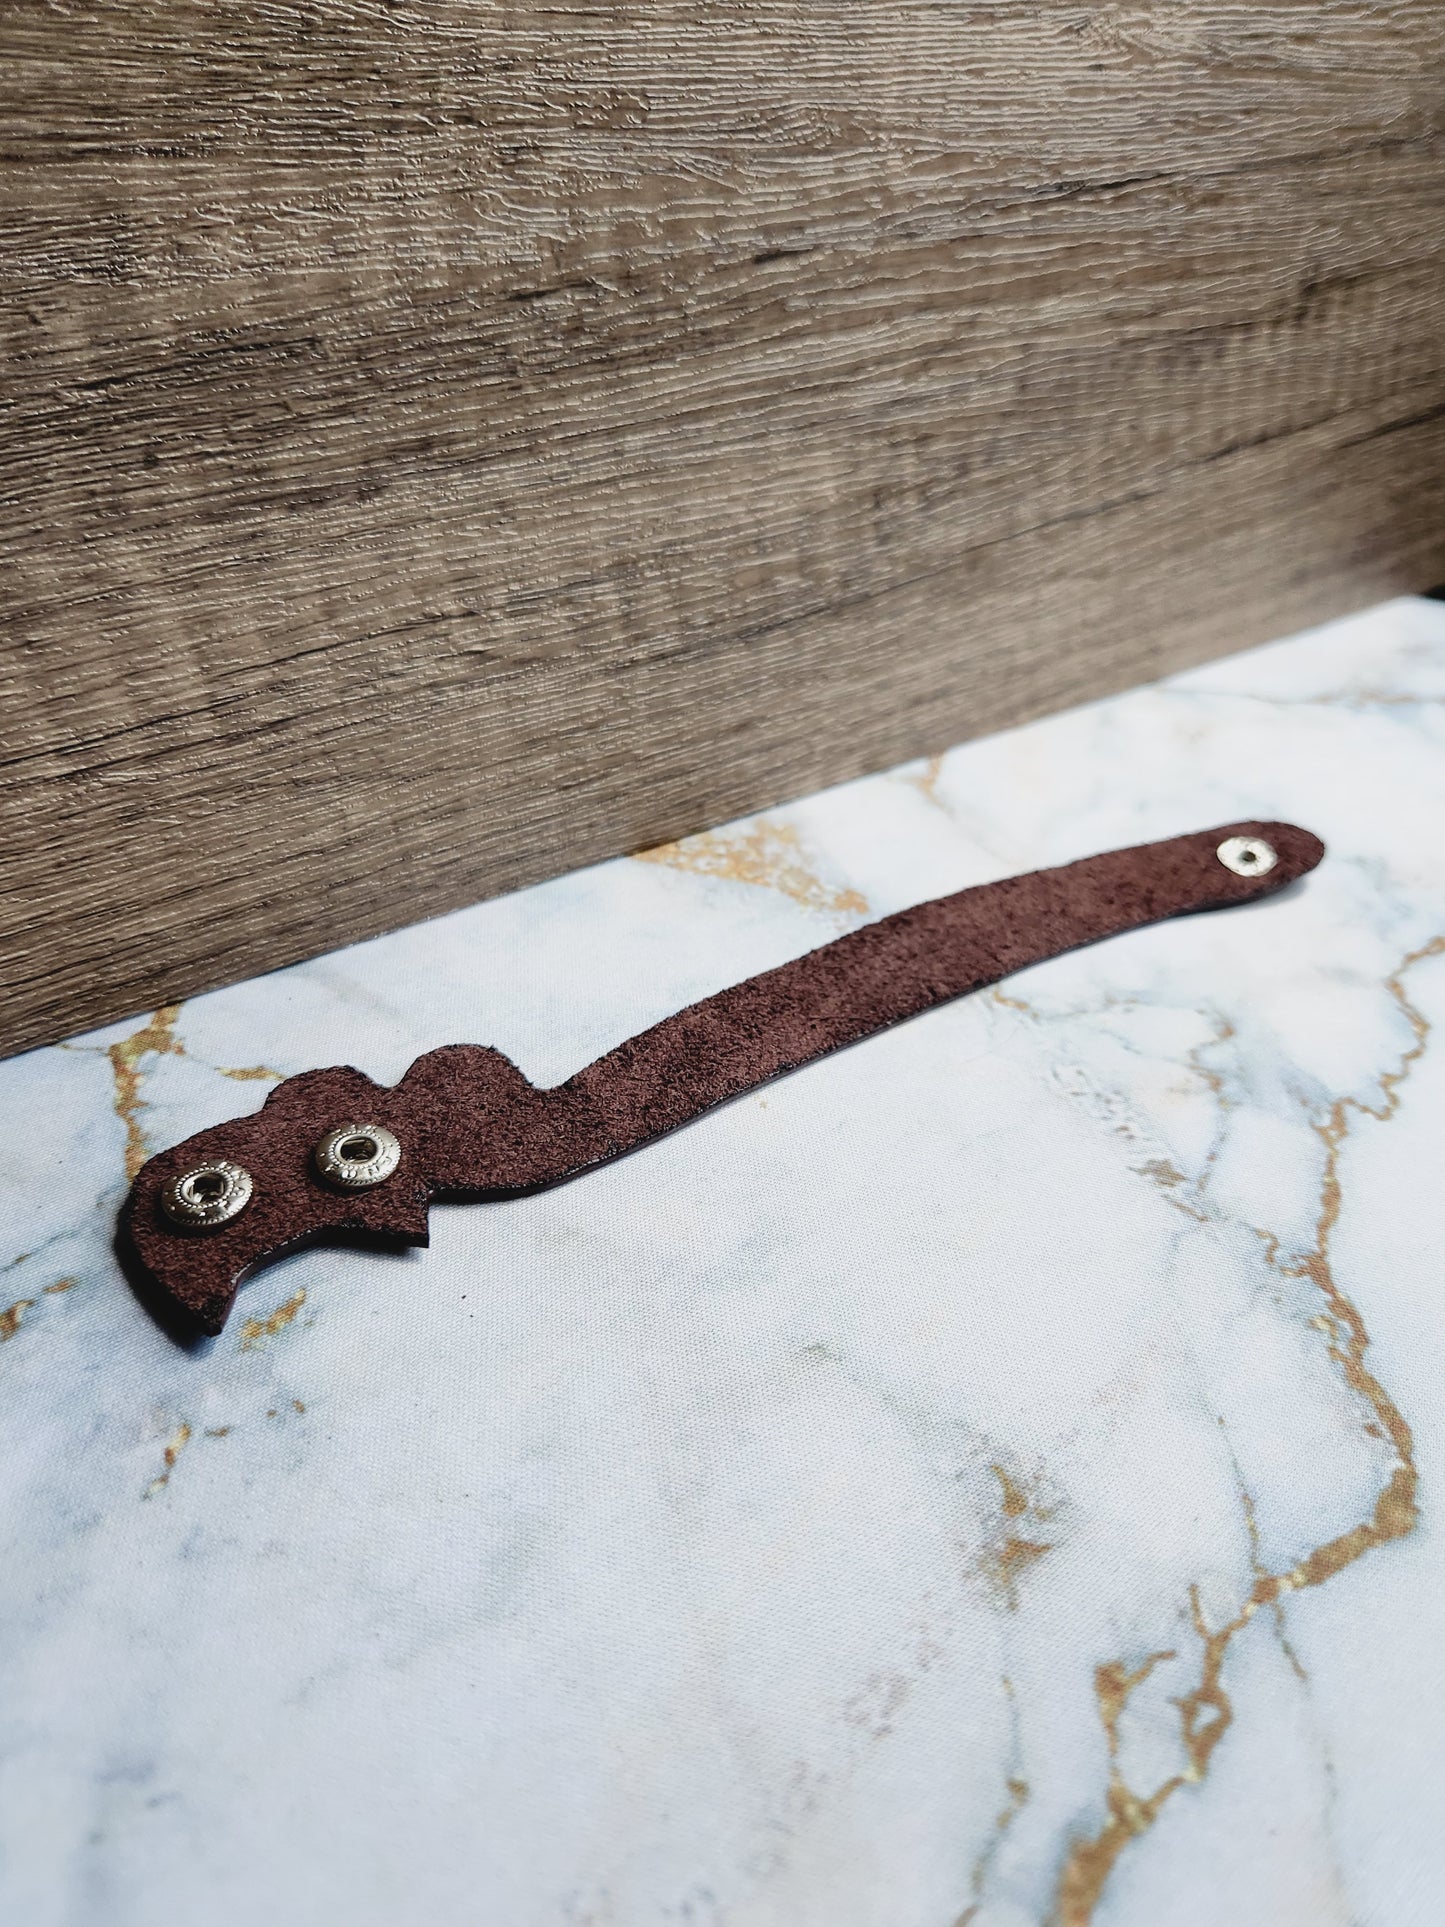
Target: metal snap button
(207, 1194)
(356, 1156)
(1247, 856)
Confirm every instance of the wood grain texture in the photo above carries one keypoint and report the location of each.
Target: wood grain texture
(447, 443)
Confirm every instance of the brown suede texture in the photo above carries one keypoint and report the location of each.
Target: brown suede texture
(471, 1125)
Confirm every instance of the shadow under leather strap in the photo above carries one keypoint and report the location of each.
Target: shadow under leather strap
(466, 1123)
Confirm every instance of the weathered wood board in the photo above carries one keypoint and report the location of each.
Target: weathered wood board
(447, 443)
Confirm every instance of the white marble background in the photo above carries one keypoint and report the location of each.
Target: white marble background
(990, 1477)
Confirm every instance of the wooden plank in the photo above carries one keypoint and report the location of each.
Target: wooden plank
(446, 443)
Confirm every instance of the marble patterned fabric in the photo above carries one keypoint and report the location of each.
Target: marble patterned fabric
(990, 1477)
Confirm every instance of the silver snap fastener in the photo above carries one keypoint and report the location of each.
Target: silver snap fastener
(355, 1156)
(207, 1194)
(1247, 856)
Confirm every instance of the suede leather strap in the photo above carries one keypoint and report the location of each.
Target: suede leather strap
(471, 1125)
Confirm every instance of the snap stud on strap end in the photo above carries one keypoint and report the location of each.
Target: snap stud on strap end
(354, 1157)
(1247, 856)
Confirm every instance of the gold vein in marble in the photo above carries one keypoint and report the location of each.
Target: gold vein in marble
(1018, 1790)
(925, 779)
(1018, 1794)
(175, 1445)
(256, 1329)
(1091, 1861)
(768, 854)
(1014, 1550)
(1206, 1711)
(157, 1035)
(11, 1317)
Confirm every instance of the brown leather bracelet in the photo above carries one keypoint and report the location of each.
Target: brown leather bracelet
(332, 1156)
